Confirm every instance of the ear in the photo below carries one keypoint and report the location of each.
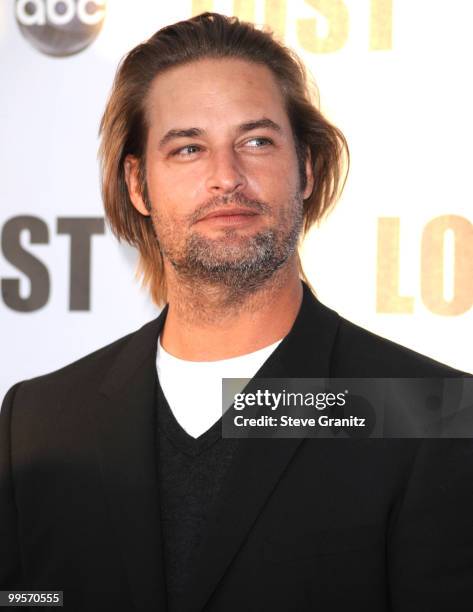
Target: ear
(309, 175)
(132, 178)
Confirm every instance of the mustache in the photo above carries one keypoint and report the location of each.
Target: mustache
(219, 202)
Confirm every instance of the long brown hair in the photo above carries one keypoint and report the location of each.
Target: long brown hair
(123, 128)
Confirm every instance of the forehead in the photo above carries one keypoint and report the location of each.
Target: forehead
(214, 92)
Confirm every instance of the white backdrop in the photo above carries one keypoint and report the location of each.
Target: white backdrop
(396, 256)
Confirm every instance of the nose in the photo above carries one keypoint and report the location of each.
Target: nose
(225, 174)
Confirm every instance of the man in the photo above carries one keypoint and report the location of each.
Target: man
(116, 485)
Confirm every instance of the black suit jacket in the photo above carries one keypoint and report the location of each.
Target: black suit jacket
(301, 524)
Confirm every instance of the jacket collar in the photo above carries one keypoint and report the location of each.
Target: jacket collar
(305, 352)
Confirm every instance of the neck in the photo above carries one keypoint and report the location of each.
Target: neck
(209, 322)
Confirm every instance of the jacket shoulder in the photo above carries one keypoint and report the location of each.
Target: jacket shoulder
(87, 370)
(359, 353)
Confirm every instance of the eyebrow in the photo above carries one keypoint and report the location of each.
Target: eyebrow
(193, 132)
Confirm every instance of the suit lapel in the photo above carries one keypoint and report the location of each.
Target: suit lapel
(125, 428)
(259, 463)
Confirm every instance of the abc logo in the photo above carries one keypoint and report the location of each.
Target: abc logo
(60, 27)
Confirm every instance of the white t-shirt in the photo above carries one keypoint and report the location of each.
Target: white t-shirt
(193, 389)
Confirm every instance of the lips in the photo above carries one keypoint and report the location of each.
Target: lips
(229, 212)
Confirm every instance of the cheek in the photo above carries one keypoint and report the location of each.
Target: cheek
(277, 175)
(172, 197)
(278, 190)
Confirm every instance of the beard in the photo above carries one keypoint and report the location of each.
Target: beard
(240, 263)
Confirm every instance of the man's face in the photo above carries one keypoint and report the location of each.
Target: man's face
(222, 172)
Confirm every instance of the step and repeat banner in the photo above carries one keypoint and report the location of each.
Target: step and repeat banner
(396, 254)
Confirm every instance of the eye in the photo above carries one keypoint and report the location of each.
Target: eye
(186, 151)
(258, 142)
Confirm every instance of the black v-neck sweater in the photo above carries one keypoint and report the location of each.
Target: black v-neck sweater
(190, 472)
